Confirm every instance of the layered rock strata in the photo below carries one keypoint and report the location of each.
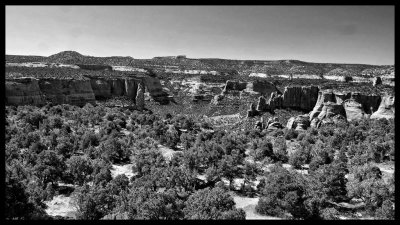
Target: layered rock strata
(28, 90)
(386, 108)
(25, 90)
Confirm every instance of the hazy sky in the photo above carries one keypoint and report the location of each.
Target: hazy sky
(337, 34)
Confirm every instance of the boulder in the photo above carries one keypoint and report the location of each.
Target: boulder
(386, 108)
(316, 123)
(273, 124)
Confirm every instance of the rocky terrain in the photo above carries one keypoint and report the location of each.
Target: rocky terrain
(334, 91)
(242, 67)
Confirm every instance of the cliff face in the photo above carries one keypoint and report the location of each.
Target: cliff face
(303, 98)
(22, 91)
(67, 91)
(386, 108)
(101, 88)
(154, 88)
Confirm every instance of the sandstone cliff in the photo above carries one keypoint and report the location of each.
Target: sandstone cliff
(67, 91)
(303, 98)
(155, 90)
(22, 91)
(386, 108)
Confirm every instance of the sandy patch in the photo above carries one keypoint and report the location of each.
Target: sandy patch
(122, 169)
(61, 205)
(248, 205)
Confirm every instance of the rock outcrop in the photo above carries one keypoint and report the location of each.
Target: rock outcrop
(386, 108)
(28, 90)
(252, 111)
(323, 97)
(139, 100)
(300, 122)
(22, 91)
(331, 109)
(273, 124)
(155, 90)
(101, 88)
(303, 98)
(354, 110)
(376, 81)
(67, 91)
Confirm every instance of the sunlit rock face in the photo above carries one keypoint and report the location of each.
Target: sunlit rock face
(386, 108)
(354, 110)
(300, 122)
(23, 91)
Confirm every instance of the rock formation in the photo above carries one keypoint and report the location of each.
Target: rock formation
(21, 91)
(386, 108)
(67, 91)
(28, 90)
(300, 122)
(354, 110)
(140, 96)
(331, 109)
(303, 98)
(323, 97)
(101, 88)
(273, 124)
(252, 111)
(155, 90)
(376, 81)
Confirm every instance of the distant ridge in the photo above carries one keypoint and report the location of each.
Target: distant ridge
(243, 67)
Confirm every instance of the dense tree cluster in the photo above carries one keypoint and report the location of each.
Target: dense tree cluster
(67, 144)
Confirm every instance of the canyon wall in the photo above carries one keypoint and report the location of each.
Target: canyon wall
(28, 90)
(67, 91)
(25, 90)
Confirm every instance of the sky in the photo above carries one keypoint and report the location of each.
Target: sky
(330, 34)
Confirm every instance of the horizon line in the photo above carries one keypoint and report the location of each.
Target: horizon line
(209, 58)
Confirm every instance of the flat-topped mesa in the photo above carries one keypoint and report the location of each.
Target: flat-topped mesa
(22, 91)
(386, 108)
